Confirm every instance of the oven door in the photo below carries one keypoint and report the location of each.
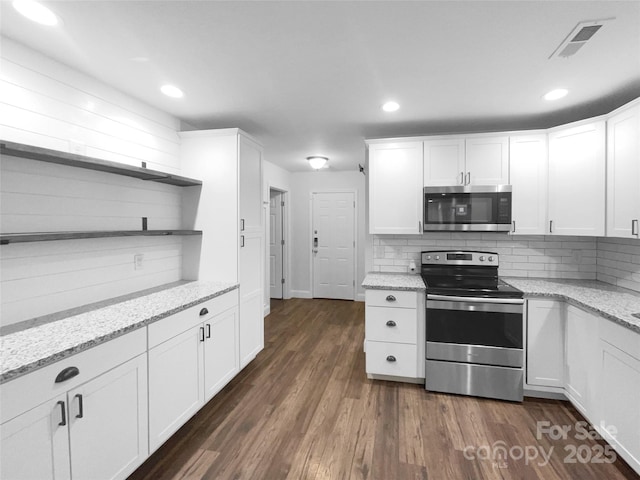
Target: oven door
(485, 331)
(475, 208)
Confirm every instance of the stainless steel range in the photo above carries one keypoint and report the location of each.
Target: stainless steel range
(474, 326)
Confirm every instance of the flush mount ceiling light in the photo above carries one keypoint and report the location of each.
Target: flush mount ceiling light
(556, 94)
(36, 12)
(317, 162)
(390, 106)
(172, 91)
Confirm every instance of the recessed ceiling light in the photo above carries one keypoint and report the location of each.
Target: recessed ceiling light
(171, 91)
(556, 94)
(36, 11)
(390, 106)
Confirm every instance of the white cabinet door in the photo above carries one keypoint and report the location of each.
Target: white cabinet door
(619, 391)
(528, 174)
(221, 357)
(581, 359)
(35, 445)
(623, 174)
(108, 423)
(577, 180)
(395, 188)
(487, 160)
(251, 253)
(175, 384)
(444, 162)
(545, 343)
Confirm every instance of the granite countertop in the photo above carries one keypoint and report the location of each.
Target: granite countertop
(615, 303)
(47, 342)
(394, 281)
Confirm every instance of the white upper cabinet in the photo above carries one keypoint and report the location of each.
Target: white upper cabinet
(477, 160)
(487, 160)
(395, 188)
(623, 174)
(528, 172)
(577, 180)
(444, 162)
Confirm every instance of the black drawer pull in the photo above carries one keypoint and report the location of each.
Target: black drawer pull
(391, 358)
(204, 311)
(391, 298)
(67, 374)
(391, 323)
(63, 421)
(80, 406)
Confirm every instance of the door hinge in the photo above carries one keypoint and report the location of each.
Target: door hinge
(282, 204)
(281, 242)
(354, 244)
(354, 204)
(282, 281)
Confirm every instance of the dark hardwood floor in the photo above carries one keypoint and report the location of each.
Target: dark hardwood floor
(304, 409)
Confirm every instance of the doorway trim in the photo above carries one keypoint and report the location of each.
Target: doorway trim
(286, 269)
(355, 235)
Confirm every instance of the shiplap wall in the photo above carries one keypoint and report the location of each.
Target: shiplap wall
(46, 104)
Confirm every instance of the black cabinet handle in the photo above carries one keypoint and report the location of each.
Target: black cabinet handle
(80, 406)
(391, 358)
(208, 330)
(67, 374)
(204, 311)
(391, 323)
(391, 298)
(550, 226)
(63, 421)
(202, 334)
(241, 241)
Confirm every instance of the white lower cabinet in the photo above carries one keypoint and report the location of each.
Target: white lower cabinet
(192, 355)
(545, 343)
(617, 411)
(88, 426)
(600, 362)
(581, 351)
(394, 333)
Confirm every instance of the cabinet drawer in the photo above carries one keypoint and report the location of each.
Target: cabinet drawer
(378, 361)
(391, 324)
(391, 298)
(169, 327)
(37, 387)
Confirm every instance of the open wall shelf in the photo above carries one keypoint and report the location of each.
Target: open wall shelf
(81, 161)
(8, 238)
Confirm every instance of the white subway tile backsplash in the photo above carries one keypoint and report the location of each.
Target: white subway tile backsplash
(611, 260)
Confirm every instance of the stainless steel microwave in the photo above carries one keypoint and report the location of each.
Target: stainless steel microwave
(480, 208)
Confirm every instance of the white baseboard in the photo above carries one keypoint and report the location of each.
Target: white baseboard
(267, 310)
(301, 294)
(360, 297)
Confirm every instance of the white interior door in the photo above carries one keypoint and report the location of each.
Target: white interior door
(333, 245)
(275, 244)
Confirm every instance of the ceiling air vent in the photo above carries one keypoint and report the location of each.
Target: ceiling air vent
(580, 35)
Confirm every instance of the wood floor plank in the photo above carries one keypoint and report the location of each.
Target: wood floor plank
(305, 409)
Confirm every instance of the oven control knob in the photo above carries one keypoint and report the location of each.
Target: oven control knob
(437, 257)
(428, 257)
(482, 258)
(491, 259)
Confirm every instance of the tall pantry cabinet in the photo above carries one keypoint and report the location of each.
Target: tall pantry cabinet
(228, 210)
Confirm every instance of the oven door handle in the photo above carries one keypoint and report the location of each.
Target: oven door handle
(451, 298)
(473, 304)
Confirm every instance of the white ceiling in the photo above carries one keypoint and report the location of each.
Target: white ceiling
(309, 77)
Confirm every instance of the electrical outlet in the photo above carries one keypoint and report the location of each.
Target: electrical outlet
(137, 261)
